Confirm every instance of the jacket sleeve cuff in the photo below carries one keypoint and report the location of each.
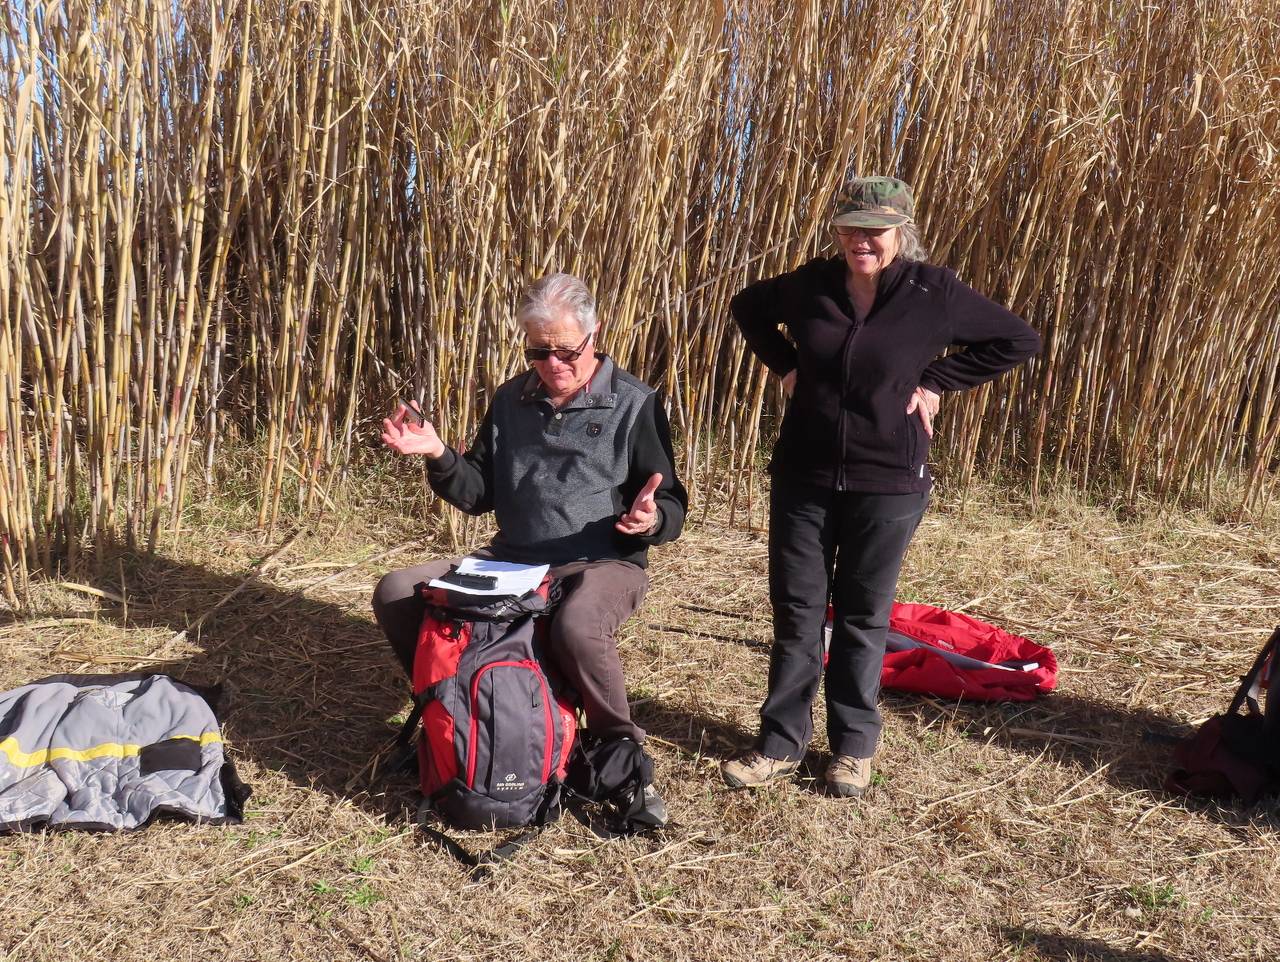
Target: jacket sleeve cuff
(443, 465)
(782, 366)
(670, 524)
(929, 384)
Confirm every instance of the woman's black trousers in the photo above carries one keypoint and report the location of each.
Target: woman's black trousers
(846, 547)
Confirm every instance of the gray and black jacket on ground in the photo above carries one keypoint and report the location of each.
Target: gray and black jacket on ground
(846, 426)
(557, 479)
(110, 751)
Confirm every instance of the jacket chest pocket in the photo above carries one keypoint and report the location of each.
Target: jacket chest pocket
(582, 454)
(576, 429)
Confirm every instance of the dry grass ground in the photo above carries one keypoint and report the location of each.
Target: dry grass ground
(1029, 832)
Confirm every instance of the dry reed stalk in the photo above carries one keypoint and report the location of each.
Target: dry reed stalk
(266, 221)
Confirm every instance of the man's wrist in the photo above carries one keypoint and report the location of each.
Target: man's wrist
(657, 523)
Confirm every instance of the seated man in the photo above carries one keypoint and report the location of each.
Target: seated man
(574, 458)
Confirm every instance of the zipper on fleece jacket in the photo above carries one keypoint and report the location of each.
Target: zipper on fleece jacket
(856, 326)
(844, 388)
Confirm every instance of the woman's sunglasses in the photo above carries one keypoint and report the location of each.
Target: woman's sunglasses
(562, 354)
(846, 231)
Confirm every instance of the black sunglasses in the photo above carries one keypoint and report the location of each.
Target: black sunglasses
(562, 354)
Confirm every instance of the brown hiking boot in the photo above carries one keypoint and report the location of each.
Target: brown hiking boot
(751, 769)
(848, 777)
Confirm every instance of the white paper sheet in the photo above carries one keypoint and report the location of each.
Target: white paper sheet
(512, 579)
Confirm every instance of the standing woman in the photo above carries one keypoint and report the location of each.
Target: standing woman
(850, 476)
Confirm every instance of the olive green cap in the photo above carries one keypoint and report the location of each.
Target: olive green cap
(873, 202)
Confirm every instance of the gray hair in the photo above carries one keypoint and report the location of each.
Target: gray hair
(910, 247)
(548, 297)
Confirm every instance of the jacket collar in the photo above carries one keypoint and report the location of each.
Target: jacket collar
(888, 281)
(888, 285)
(600, 392)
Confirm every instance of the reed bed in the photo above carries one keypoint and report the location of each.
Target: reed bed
(261, 222)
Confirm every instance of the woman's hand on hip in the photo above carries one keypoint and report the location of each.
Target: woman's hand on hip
(789, 382)
(405, 436)
(925, 403)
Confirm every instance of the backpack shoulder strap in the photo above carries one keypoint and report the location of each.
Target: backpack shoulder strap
(1249, 682)
(482, 863)
(403, 747)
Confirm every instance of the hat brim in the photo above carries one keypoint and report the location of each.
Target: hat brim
(869, 218)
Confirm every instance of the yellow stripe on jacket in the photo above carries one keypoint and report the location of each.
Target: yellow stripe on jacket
(20, 759)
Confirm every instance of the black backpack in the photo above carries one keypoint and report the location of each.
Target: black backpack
(612, 773)
(1237, 754)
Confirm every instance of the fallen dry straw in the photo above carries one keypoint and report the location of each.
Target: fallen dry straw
(1030, 831)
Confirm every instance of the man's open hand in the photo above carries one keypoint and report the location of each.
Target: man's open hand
(643, 516)
(405, 437)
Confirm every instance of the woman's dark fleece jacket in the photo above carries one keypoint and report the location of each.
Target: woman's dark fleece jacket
(846, 426)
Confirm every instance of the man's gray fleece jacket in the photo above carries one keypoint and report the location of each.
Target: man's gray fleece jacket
(558, 478)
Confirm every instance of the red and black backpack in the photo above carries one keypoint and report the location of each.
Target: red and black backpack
(496, 732)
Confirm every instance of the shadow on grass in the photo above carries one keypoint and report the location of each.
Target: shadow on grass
(1069, 948)
(695, 732)
(317, 695)
(1135, 744)
(312, 690)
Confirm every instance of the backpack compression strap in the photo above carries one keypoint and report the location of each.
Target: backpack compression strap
(404, 744)
(481, 865)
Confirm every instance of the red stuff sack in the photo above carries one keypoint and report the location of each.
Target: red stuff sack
(952, 655)
(944, 653)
